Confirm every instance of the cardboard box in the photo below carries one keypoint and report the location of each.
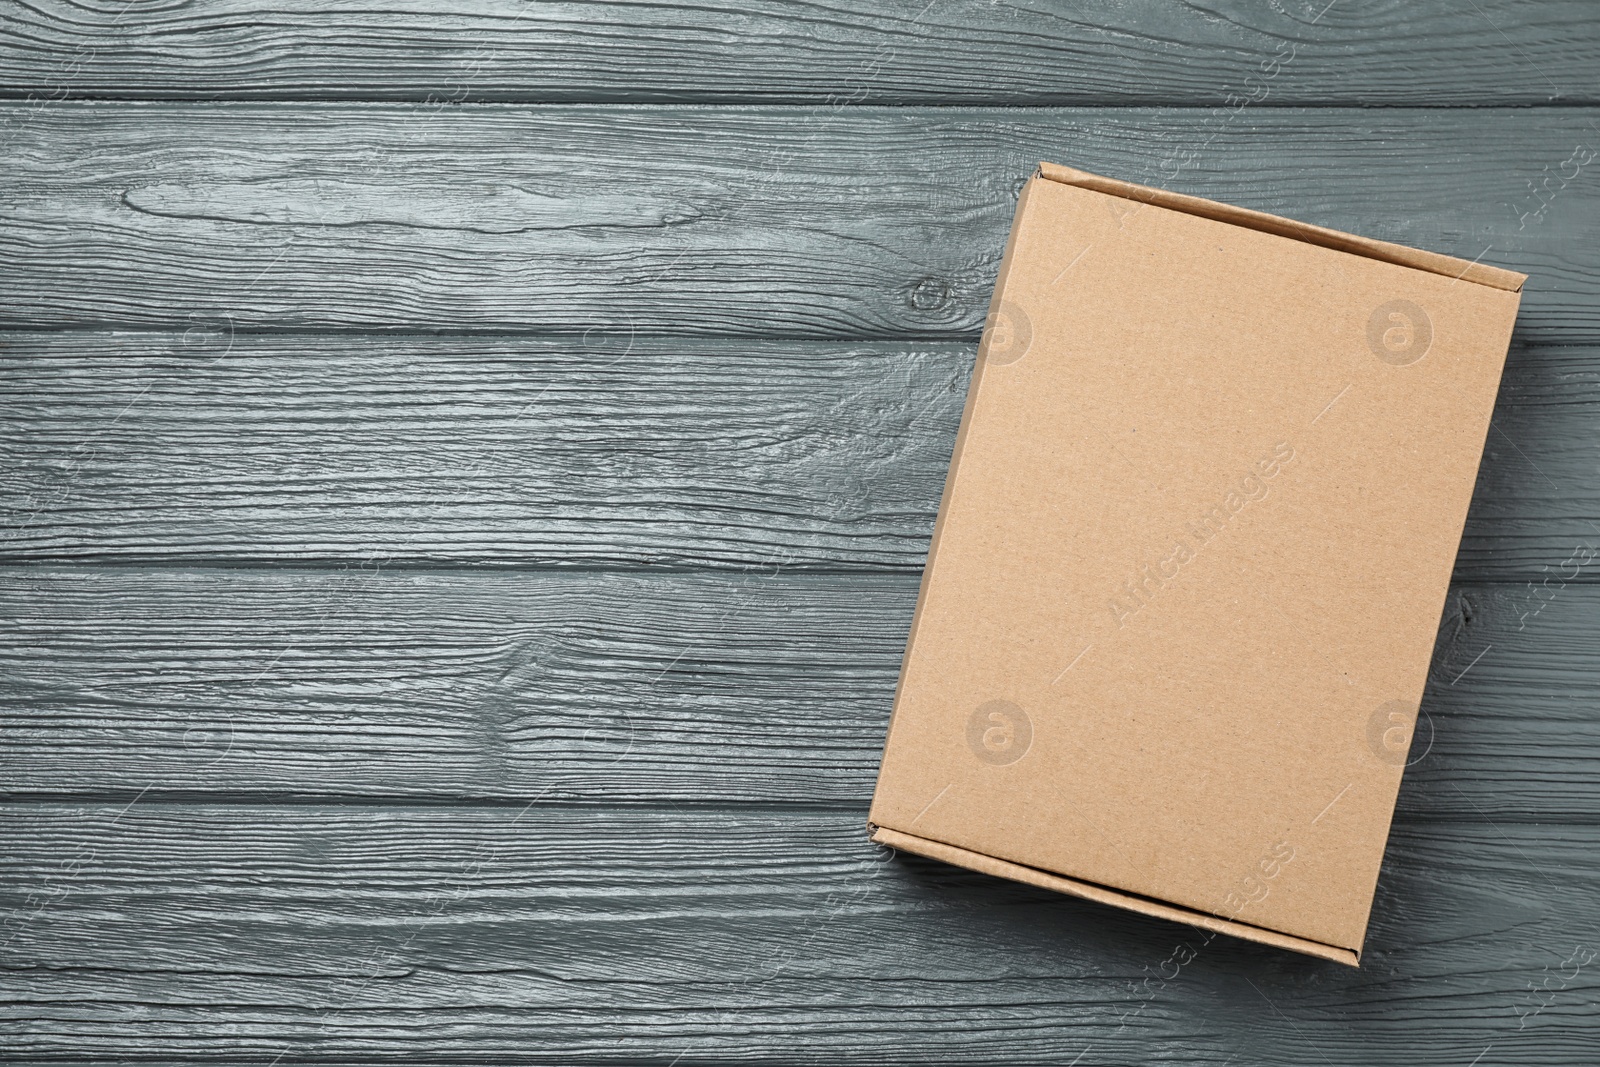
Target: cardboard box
(1191, 559)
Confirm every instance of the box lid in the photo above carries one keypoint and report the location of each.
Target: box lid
(1191, 558)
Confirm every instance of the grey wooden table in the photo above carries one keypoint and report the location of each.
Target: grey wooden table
(467, 469)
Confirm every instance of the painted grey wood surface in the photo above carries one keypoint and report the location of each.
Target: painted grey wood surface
(455, 557)
(605, 449)
(560, 935)
(765, 688)
(825, 222)
(868, 51)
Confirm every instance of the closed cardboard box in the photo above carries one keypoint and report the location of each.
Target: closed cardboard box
(1191, 559)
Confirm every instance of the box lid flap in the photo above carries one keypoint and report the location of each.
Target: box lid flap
(1434, 262)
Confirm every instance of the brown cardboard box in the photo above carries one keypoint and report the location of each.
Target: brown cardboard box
(1191, 559)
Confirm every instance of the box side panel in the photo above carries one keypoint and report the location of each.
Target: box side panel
(1016, 872)
(1433, 262)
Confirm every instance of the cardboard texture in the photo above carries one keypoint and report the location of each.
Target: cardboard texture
(1191, 559)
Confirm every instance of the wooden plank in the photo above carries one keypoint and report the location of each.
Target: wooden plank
(832, 223)
(606, 450)
(602, 450)
(874, 51)
(242, 933)
(763, 688)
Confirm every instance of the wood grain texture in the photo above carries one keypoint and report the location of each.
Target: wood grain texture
(855, 223)
(764, 688)
(605, 450)
(460, 623)
(875, 51)
(602, 450)
(547, 936)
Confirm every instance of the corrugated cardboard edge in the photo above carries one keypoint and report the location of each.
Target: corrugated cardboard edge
(1432, 262)
(977, 861)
